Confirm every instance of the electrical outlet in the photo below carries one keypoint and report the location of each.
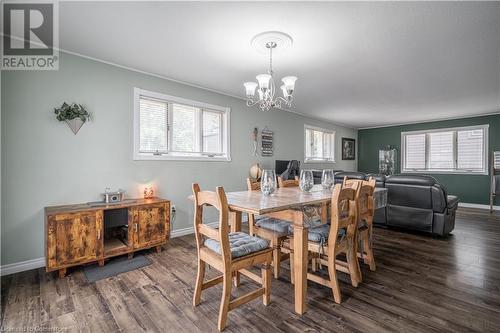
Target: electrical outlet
(173, 209)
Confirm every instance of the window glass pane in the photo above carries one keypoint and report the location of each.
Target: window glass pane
(211, 132)
(152, 125)
(317, 144)
(415, 151)
(328, 148)
(184, 133)
(441, 150)
(470, 149)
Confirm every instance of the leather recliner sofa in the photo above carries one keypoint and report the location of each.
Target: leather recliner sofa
(416, 202)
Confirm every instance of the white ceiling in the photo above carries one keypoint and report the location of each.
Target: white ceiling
(360, 64)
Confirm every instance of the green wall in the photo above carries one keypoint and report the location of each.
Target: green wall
(469, 188)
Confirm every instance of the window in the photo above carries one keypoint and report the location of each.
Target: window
(451, 150)
(172, 128)
(319, 144)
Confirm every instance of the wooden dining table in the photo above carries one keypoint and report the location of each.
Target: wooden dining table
(289, 204)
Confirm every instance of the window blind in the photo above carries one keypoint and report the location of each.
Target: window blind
(153, 125)
(415, 151)
(184, 128)
(319, 145)
(441, 150)
(470, 149)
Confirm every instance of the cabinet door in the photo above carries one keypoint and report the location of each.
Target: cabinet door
(74, 238)
(150, 225)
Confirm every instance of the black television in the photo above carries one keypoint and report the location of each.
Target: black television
(280, 166)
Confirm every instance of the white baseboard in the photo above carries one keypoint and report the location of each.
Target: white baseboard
(478, 206)
(40, 262)
(189, 230)
(22, 266)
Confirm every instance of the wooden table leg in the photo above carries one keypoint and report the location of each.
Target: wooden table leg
(235, 217)
(300, 262)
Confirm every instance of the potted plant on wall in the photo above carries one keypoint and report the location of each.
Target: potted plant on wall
(73, 114)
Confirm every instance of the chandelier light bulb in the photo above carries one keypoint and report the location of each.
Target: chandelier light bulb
(250, 88)
(263, 80)
(284, 91)
(289, 82)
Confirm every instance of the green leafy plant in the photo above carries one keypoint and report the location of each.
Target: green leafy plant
(71, 111)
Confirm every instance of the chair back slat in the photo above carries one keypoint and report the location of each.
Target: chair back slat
(253, 185)
(218, 200)
(288, 183)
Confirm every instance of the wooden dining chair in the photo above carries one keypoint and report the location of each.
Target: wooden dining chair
(330, 240)
(269, 228)
(288, 182)
(229, 253)
(365, 219)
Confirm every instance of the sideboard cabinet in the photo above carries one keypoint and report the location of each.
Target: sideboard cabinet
(84, 233)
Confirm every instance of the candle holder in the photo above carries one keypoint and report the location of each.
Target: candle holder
(149, 192)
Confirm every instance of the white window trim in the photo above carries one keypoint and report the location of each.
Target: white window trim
(485, 171)
(325, 130)
(176, 156)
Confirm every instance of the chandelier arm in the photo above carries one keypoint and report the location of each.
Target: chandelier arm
(251, 102)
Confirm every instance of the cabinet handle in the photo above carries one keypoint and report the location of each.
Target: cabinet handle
(98, 234)
(135, 227)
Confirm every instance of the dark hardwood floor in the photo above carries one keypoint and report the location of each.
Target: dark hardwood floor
(422, 284)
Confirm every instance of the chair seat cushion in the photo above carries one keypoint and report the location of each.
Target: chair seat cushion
(269, 223)
(319, 234)
(241, 244)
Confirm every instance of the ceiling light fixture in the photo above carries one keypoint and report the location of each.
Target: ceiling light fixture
(270, 41)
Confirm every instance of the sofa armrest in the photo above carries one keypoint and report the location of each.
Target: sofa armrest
(452, 202)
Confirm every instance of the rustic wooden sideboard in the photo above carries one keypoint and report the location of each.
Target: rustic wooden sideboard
(93, 232)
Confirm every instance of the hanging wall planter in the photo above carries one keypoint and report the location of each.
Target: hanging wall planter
(73, 114)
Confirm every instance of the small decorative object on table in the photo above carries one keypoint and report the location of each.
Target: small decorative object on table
(348, 149)
(149, 192)
(73, 114)
(113, 196)
(268, 182)
(267, 142)
(306, 180)
(387, 161)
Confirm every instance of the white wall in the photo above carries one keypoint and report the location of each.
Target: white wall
(44, 164)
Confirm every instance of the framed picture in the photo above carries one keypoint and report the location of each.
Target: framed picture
(387, 161)
(348, 149)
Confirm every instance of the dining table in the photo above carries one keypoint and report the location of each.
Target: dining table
(293, 205)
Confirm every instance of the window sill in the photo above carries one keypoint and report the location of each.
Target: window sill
(318, 161)
(438, 172)
(167, 157)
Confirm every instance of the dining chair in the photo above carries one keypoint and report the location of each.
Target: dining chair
(288, 182)
(269, 228)
(365, 220)
(330, 240)
(229, 253)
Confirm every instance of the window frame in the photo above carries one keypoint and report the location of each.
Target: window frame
(170, 155)
(324, 130)
(455, 170)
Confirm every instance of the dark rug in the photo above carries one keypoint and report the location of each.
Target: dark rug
(114, 267)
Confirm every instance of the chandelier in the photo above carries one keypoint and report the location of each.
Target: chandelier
(266, 88)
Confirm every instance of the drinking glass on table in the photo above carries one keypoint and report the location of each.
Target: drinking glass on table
(306, 182)
(268, 182)
(327, 179)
